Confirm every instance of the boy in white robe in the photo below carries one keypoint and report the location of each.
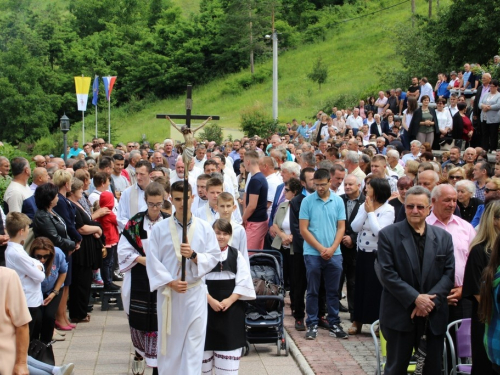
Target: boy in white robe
(214, 188)
(238, 240)
(182, 305)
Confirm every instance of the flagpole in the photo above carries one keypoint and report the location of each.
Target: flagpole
(109, 119)
(83, 128)
(96, 121)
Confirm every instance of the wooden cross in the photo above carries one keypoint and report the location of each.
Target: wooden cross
(187, 154)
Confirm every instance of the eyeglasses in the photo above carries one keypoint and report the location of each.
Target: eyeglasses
(419, 207)
(44, 257)
(155, 205)
(287, 190)
(486, 190)
(130, 146)
(456, 178)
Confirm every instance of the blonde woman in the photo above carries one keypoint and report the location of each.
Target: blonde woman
(479, 256)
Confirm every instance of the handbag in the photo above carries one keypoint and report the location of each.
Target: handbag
(266, 288)
(42, 352)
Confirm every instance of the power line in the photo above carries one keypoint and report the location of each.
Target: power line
(369, 14)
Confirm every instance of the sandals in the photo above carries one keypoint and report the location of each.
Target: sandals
(84, 320)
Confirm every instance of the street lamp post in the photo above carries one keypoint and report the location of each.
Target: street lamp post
(65, 129)
(274, 38)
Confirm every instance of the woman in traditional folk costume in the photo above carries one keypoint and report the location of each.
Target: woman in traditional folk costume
(229, 283)
(139, 303)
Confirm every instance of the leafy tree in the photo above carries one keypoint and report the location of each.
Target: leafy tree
(319, 73)
(212, 132)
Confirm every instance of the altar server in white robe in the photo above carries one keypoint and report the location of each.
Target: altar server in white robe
(229, 283)
(214, 188)
(238, 240)
(200, 200)
(182, 305)
(132, 199)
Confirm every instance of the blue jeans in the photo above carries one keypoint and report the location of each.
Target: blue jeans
(108, 265)
(330, 270)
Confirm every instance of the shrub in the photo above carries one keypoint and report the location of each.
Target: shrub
(256, 121)
(212, 132)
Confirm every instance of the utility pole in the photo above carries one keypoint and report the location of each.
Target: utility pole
(275, 72)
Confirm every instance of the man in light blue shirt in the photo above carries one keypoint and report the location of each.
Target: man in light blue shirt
(322, 224)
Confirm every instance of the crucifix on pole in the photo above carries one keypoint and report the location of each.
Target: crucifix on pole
(187, 155)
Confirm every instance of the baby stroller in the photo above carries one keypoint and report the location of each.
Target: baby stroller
(265, 315)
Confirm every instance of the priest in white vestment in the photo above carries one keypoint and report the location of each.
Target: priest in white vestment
(182, 306)
(132, 199)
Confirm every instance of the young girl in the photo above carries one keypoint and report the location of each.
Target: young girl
(228, 284)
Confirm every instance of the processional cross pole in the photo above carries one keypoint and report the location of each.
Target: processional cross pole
(187, 155)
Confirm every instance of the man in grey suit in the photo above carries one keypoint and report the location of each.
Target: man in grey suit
(417, 272)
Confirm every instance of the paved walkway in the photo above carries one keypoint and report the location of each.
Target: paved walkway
(328, 355)
(103, 346)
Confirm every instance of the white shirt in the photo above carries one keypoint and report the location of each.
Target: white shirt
(15, 195)
(200, 163)
(380, 110)
(355, 123)
(410, 156)
(273, 180)
(17, 259)
(444, 119)
(452, 110)
(426, 90)
(123, 214)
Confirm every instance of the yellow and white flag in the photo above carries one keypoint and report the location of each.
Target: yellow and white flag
(82, 85)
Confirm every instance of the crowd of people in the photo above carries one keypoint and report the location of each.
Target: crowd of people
(355, 198)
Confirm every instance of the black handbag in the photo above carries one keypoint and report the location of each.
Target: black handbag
(42, 352)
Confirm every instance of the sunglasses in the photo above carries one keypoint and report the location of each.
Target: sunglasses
(419, 207)
(456, 178)
(44, 257)
(287, 190)
(486, 190)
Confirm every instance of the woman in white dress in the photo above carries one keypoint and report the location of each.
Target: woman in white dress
(139, 303)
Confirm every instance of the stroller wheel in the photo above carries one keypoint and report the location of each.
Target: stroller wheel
(278, 346)
(286, 348)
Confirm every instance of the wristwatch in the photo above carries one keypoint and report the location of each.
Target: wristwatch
(193, 255)
(56, 292)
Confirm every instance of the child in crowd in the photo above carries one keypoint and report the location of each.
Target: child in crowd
(209, 211)
(109, 225)
(228, 284)
(225, 208)
(30, 270)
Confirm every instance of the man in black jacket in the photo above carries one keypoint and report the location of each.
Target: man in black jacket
(353, 199)
(417, 273)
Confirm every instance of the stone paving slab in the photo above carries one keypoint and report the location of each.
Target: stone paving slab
(103, 346)
(329, 355)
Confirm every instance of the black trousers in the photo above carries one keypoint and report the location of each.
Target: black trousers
(489, 136)
(348, 276)
(35, 325)
(79, 291)
(400, 346)
(49, 318)
(299, 282)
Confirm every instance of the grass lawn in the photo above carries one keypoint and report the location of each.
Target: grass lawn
(352, 52)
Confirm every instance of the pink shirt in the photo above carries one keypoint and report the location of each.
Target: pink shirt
(462, 234)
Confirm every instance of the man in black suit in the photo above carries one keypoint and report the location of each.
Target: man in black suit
(417, 273)
(353, 199)
(378, 127)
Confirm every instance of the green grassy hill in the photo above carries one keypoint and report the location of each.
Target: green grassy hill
(352, 52)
